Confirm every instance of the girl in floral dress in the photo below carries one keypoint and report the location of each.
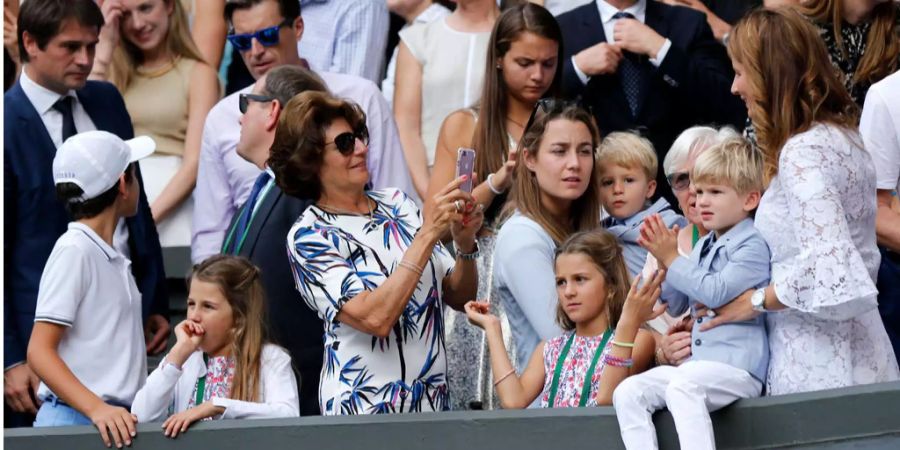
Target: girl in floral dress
(221, 366)
(601, 313)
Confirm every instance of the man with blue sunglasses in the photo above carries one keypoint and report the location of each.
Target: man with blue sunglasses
(266, 33)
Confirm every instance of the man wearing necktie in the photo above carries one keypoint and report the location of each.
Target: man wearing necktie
(259, 228)
(51, 102)
(647, 66)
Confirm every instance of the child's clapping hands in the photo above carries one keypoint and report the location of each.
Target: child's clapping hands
(659, 240)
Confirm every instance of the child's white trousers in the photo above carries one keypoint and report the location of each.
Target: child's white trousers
(691, 391)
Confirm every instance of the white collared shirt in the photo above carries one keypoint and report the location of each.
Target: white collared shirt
(43, 100)
(607, 11)
(88, 288)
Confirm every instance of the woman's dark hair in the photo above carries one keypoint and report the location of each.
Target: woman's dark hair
(290, 9)
(69, 192)
(490, 140)
(43, 19)
(525, 193)
(296, 153)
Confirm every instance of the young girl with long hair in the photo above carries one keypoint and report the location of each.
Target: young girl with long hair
(601, 313)
(221, 365)
(522, 65)
(146, 50)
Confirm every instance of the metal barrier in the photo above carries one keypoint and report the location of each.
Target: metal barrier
(862, 417)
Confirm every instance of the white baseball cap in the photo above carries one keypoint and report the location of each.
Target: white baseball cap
(94, 160)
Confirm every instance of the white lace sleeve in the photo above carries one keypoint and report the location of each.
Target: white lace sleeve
(828, 277)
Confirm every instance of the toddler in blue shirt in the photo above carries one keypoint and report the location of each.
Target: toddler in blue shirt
(628, 165)
(729, 361)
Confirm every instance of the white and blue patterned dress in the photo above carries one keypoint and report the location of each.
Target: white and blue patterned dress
(335, 257)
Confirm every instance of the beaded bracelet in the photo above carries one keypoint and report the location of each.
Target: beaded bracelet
(611, 360)
(412, 267)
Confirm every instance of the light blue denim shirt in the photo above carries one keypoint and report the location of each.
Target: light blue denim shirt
(629, 230)
(717, 271)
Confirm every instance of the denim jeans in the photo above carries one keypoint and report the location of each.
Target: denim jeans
(54, 413)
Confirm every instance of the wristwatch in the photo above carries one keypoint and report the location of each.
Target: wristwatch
(758, 300)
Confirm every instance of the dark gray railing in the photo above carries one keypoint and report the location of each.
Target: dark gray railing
(863, 417)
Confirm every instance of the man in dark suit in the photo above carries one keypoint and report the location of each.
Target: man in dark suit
(260, 227)
(52, 101)
(647, 66)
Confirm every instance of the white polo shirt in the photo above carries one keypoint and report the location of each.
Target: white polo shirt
(87, 286)
(880, 129)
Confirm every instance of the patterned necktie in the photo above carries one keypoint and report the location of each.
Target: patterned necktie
(630, 73)
(64, 106)
(247, 212)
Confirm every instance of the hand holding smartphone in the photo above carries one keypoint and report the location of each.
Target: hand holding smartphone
(465, 165)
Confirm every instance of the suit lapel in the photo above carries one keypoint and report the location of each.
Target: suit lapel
(95, 111)
(592, 26)
(260, 219)
(31, 121)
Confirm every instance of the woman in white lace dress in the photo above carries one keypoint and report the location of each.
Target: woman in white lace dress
(818, 213)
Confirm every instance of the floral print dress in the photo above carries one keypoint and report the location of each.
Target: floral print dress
(219, 377)
(335, 257)
(575, 367)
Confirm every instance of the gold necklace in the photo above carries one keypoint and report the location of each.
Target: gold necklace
(513, 121)
(161, 70)
(370, 215)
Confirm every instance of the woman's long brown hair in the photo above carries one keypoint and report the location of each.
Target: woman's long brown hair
(882, 42)
(490, 139)
(241, 285)
(526, 192)
(794, 85)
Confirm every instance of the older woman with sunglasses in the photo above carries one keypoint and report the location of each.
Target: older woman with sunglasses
(377, 275)
(674, 334)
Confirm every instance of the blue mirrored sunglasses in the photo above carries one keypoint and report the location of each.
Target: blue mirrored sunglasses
(267, 37)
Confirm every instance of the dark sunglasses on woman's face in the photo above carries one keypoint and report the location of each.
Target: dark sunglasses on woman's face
(267, 37)
(346, 142)
(679, 180)
(244, 100)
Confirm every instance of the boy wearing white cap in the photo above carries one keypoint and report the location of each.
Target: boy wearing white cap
(87, 345)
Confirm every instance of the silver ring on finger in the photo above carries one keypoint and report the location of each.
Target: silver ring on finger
(458, 204)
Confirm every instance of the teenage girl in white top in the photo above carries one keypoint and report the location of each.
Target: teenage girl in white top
(220, 366)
